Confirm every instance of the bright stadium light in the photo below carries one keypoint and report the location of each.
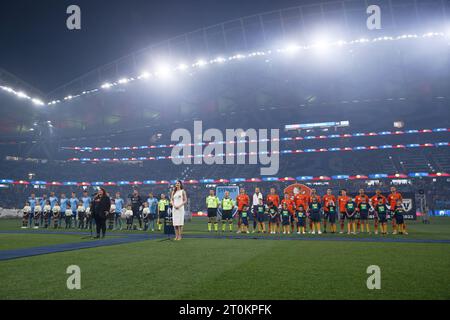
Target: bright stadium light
(123, 81)
(106, 85)
(144, 75)
(182, 67)
(37, 102)
(163, 71)
(291, 48)
(200, 63)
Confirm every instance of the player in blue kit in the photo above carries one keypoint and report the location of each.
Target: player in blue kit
(63, 202)
(43, 202)
(86, 200)
(74, 205)
(153, 207)
(53, 201)
(32, 202)
(119, 207)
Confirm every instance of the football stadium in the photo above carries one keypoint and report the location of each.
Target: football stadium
(253, 150)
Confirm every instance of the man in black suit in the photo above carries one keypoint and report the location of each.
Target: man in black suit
(136, 203)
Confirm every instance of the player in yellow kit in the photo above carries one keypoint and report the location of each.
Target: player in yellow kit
(212, 203)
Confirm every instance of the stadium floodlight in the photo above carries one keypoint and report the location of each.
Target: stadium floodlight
(37, 102)
(220, 60)
(20, 94)
(163, 71)
(106, 85)
(291, 48)
(144, 75)
(182, 67)
(200, 63)
(123, 81)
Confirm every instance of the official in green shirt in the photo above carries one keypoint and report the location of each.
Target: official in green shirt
(212, 203)
(163, 205)
(227, 205)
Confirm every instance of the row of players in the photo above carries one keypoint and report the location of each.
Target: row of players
(301, 210)
(74, 212)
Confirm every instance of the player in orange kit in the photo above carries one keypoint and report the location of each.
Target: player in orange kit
(342, 202)
(300, 199)
(241, 200)
(374, 201)
(392, 200)
(290, 204)
(358, 200)
(273, 198)
(327, 199)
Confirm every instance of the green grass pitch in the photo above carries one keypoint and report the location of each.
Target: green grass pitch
(210, 268)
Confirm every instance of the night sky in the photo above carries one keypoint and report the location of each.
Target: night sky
(36, 46)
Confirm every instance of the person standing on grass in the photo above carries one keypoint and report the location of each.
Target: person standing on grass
(300, 200)
(119, 207)
(313, 194)
(136, 203)
(381, 214)
(227, 205)
(163, 207)
(63, 204)
(87, 205)
(314, 214)
(329, 197)
(53, 200)
(359, 199)
(363, 212)
(342, 202)
(32, 201)
(332, 215)
(100, 207)
(373, 203)
(255, 203)
(42, 202)
(398, 217)
(241, 200)
(74, 205)
(212, 203)
(392, 199)
(350, 210)
(275, 200)
(153, 207)
(178, 200)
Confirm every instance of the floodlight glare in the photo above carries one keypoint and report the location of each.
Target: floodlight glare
(21, 94)
(182, 67)
(291, 48)
(163, 71)
(144, 75)
(105, 86)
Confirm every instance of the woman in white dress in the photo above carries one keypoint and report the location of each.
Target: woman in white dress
(178, 199)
